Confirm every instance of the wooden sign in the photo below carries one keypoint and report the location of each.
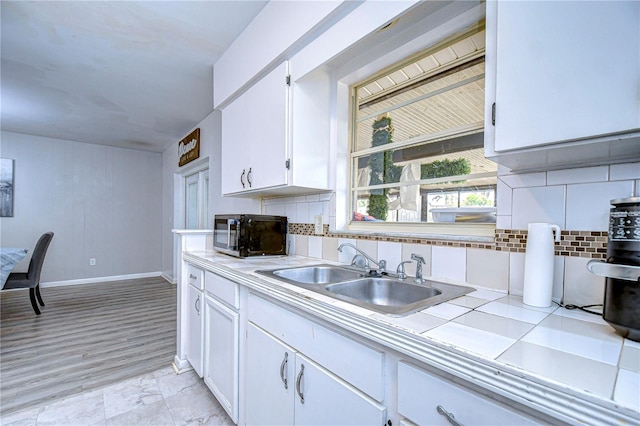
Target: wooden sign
(189, 148)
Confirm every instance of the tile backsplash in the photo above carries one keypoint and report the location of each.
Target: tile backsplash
(575, 199)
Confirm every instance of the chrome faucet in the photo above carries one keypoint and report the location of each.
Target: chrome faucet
(419, 262)
(380, 264)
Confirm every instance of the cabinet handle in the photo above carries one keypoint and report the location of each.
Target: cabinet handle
(282, 370)
(193, 277)
(298, 381)
(493, 114)
(449, 416)
(242, 178)
(197, 305)
(249, 177)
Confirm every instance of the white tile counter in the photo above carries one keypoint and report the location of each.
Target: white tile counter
(566, 362)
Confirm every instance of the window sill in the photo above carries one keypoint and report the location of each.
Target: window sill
(472, 232)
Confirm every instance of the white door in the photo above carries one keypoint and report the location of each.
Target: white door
(197, 200)
(221, 354)
(194, 329)
(322, 398)
(270, 380)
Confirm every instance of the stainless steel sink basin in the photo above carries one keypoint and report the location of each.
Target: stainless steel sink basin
(381, 294)
(320, 274)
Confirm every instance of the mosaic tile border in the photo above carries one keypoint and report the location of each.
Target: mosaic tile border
(588, 244)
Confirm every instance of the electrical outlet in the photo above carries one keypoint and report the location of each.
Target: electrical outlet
(92, 262)
(318, 225)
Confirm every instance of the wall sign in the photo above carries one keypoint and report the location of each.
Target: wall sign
(189, 148)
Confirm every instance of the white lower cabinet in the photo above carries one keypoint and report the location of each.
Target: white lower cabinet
(221, 344)
(285, 387)
(270, 379)
(427, 399)
(221, 355)
(194, 328)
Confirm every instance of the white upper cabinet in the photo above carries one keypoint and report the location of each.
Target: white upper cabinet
(275, 136)
(562, 74)
(254, 136)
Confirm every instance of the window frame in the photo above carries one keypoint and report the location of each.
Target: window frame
(483, 231)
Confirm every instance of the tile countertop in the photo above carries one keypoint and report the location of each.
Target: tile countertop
(566, 361)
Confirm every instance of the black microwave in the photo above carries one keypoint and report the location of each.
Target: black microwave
(244, 235)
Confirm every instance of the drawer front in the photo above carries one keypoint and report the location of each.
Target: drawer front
(222, 289)
(420, 393)
(356, 363)
(195, 276)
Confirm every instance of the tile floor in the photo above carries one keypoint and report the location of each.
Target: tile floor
(158, 398)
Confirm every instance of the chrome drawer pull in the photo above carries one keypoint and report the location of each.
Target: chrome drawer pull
(282, 370)
(449, 416)
(298, 381)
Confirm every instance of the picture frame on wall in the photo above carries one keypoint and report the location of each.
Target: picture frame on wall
(6, 187)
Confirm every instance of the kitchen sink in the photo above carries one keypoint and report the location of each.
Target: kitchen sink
(320, 274)
(382, 294)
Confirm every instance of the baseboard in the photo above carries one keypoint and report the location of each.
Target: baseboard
(169, 278)
(102, 279)
(180, 365)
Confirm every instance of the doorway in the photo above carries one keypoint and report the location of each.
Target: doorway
(196, 200)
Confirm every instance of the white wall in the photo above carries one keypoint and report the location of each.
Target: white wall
(101, 202)
(172, 203)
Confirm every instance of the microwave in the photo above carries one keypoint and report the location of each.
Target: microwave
(244, 235)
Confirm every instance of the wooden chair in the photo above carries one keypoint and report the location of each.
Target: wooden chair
(31, 278)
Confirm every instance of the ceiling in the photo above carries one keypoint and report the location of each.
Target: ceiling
(131, 74)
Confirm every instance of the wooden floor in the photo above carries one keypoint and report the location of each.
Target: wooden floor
(88, 336)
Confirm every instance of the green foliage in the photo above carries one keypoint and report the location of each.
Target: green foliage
(378, 205)
(477, 200)
(445, 168)
(382, 168)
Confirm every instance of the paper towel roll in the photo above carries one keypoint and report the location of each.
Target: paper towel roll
(538, 264)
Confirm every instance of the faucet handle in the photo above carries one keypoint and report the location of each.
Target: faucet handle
(400, 270)
(418, 258)
(360, 261)
(382, 265)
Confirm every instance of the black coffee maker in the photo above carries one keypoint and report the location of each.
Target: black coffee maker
(622, 268)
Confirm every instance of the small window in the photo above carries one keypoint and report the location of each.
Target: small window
(418, 143)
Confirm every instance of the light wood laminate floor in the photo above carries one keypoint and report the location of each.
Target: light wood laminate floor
(87, 337)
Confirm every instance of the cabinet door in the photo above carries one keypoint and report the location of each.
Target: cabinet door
(194, 329)
(235, 146)
(324, 399)
(267, 111)
(564, 70)
(255, 135)
(221, 354)
(270, 379)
